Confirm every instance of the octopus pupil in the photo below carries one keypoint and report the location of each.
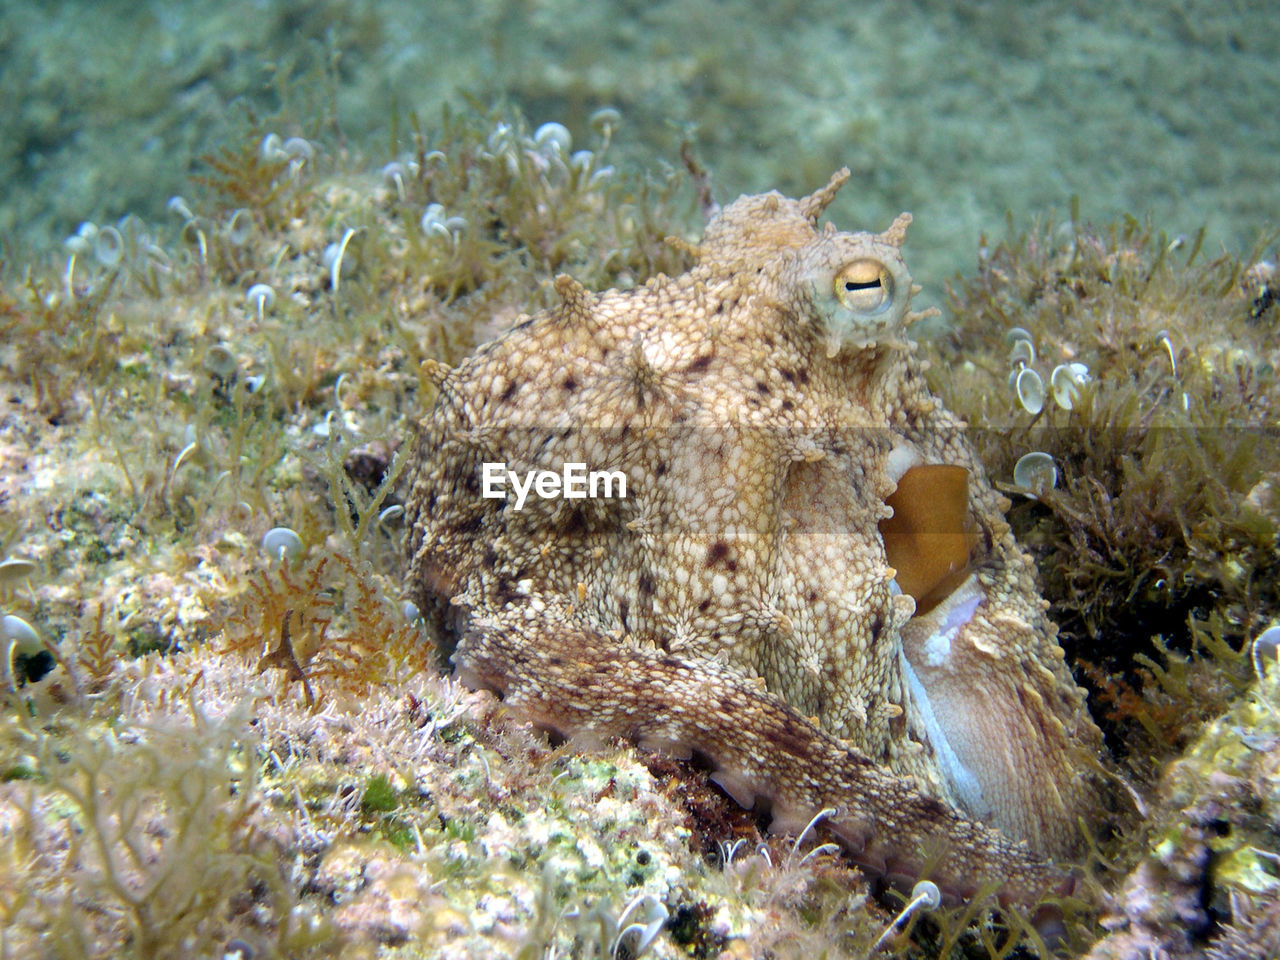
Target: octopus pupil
(851, 286)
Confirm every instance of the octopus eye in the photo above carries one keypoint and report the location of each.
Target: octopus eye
(864, 286)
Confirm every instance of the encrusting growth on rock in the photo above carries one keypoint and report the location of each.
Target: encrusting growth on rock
(809, 579)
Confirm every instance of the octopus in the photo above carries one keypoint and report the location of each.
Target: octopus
(794, 567)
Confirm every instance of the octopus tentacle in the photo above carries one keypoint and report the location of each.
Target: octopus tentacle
(570, 679)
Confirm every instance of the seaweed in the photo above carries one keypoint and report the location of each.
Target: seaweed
(146, 851)
(1163, 518)
(277, 723)
(326, 626)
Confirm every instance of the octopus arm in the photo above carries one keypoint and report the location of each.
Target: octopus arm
(577, 681)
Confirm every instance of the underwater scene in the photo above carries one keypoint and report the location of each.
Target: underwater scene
(557, 480)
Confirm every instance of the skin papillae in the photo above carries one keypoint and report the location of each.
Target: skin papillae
(809, 581)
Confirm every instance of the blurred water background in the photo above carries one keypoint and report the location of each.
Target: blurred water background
(958, 112)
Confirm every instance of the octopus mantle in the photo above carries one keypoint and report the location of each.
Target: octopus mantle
(809, 580)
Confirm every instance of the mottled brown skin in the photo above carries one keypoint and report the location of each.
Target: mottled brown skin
(739, 602)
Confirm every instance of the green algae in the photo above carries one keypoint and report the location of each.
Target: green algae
(1236, 758)
(1158, 542)
(379, 796)
(1206, 880)
(187, 465)
(1157, 547)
